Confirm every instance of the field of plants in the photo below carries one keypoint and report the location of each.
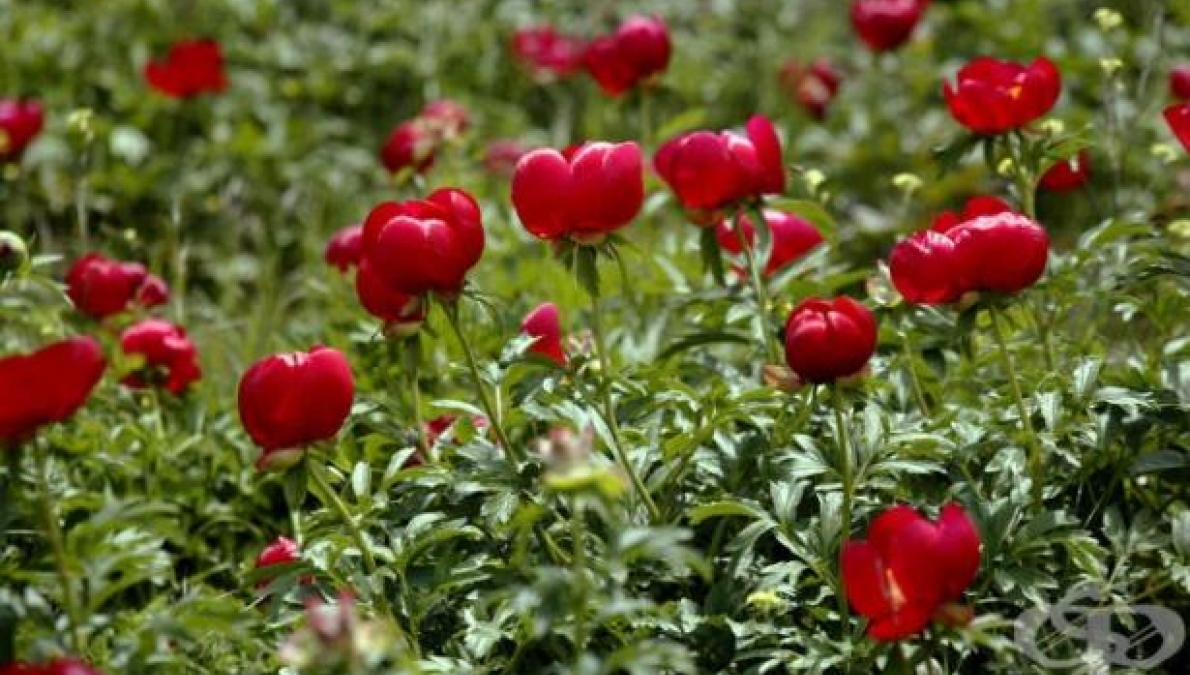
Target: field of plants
(525, 336)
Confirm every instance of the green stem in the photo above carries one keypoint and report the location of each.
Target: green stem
(1034, 460)
(846, 479)
(914, 379)
(759, 288)
(413, 360)
(609, 411)
(646, 126)
(53, 532)
(353, 528)
(514, 453)
(578, 534)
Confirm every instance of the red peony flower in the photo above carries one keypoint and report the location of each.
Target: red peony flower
(548, 53)
(543, 325)
(1068, 174)
(709, 171)
(55, 667)
(283, 551)
(792, 238)
(884, 25)
(1179, 82)
(190, 69)
(909, 568)
(343, 249)
(992, 96)
(170, 358)
(826, 340)
(1178, 118)
(436, 428)
(20, 122)
(289, 401)
(596, 191)
(813, 87)
(986, 248)
(101, 287)
(47, 386)
(414, 143)
(402, 314)
(426, 245)
(637, 51)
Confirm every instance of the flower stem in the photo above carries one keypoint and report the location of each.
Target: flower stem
(609, 410)
(914, 379)
(413, 370)
(514, 453)
(578, 534)
(846, 479)
(53, 532)
(759, 287)
(1034, 461)
(353, 528)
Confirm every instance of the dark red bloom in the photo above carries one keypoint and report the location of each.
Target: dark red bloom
(829, 339)
(812, 87)
(190, 69)
(1179, 82)
(425, 245)
(548, 53)
(20, 122)
(1178, 118)
(288, 401)
(414, 143)
(55, 667)
(992, 96)
(343, 249)
(884, 25)
(709, 171)
(1068, 174)
(47, 386)
(283, 551)
(543, 325)
(101, 287)
(501, 157)
(170, 358)
(595, 192)
(792, 238)
(986, 248)
(401, 313)
(637, 51)
(908, 568)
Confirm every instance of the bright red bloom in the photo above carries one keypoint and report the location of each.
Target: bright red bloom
(47, 386)
(501, 157)
(288, 401)
(829, 339)
(190, 69)
(884, 25)
(637, 51)
(548, 53)
(425, 245)
(543, 325)
(908, 568)
(596, 191)
(401, 313)
(1005, 253)
(1068, 174)
(992, 96)
(343, 249)
(20, 122)
(1179, 82)
(101, 287)
(170, 358)
(792, 238)
(55, 667)
(1178, 118)
(408, 146)
(986, 248)
(281, 552)
(813, 87)
(709, 171)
